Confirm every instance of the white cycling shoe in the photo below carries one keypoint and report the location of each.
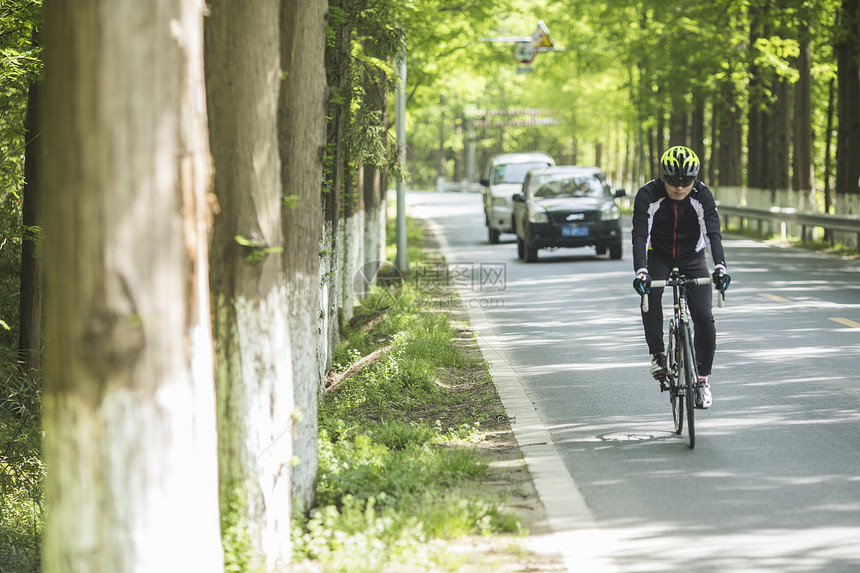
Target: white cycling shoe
(704, 394)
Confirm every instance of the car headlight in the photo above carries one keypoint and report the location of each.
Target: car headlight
(538, 216)
(610, 212)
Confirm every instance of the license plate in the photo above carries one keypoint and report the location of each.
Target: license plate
(574, 231)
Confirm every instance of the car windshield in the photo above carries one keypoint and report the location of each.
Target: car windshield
(565, 185)
(514, 172)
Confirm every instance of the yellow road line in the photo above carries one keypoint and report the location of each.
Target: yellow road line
(773, 297)
(846, 322)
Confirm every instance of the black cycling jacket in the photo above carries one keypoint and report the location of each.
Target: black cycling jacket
(675, 230)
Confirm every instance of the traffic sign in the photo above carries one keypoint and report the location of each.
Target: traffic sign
(526, 48)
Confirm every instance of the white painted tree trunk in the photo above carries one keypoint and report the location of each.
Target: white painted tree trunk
(254, 364)
(301, 125)
(374, 216)
(130, 440)
(353, 282)
(326, 315)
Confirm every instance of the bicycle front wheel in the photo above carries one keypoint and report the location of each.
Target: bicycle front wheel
(676, 397)
(688, 380)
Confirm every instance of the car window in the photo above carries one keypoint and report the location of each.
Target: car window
(565, 185)
(514, 172)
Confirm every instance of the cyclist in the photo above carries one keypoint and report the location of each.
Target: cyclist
(674, 219)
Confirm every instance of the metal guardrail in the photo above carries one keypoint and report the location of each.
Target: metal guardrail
(459, 186)
(806, 219)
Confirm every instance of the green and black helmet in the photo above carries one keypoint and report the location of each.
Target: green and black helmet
(680, 162)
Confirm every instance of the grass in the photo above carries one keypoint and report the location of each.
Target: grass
(21, 474)
(400, 467)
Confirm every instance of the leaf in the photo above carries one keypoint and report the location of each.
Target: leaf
(291, 201)
(247, 242)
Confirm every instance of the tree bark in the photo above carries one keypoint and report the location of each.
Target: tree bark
(848, 96)
(253, 341)
(30, 303)
(779, 137)
(337, 75)
(728, 153)
(301, 120)
(128, 404)
(803, 172)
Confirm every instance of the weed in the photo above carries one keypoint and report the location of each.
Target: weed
(21, 474)
(238, 548)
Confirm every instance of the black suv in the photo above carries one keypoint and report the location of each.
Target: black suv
(567, 206)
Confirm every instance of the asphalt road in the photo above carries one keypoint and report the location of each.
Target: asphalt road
(774, 481)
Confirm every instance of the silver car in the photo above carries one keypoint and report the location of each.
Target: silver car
(503, 176)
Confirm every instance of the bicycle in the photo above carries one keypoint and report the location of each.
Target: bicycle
(682, 378)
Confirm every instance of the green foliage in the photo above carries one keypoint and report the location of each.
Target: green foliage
(628, 68)
(19, 65)
(257, 249)
(386, 495)
(234, 532)
(21, 473)
(291, 201)
(360, 75)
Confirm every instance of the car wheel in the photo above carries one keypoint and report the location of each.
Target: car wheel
(531, 254)
(494, 236)
(615, 251)
(521, 248)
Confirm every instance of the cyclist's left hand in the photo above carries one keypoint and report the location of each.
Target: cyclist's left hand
(721, 279)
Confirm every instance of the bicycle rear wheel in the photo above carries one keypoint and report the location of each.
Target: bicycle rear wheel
(688, 380)
(676, 397)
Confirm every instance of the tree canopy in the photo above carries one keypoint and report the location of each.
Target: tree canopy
(633, 76)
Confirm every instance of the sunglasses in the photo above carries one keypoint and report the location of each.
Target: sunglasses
(675, 181)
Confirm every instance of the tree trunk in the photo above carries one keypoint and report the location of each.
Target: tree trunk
(847, 106)
(652, 165)
(779, 137)
(713, 161)
(662, 146)
(375, 188)
(352, 245)
(679, 132)
(375, 196)
(828, 155)
(756, 141)
(254, 374)
(128, 404)
(337, 74)
(728, 154)
(301, 121)
(30, 303)
(803, 172)
(697, 131)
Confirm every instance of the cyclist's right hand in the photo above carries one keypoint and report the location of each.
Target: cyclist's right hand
(721, 279)
(642, 283)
